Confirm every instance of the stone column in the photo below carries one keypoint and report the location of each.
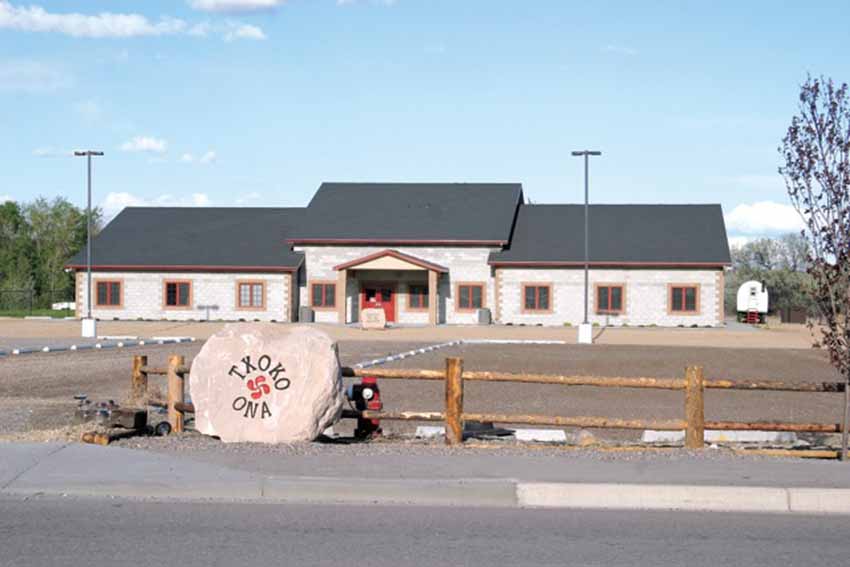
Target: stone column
(433, 300)
(341, 281)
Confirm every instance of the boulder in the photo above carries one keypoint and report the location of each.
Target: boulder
(266, 383)
(372, 318)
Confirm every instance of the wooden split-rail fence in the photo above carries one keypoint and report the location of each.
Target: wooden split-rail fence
(693, 384)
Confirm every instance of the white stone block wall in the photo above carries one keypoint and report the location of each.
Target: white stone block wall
(465, 264)
(143, 296)
(646, 296)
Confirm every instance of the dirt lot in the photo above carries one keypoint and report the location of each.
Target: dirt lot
(36, 390)
(13, 331)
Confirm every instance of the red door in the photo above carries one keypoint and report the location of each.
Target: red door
(379, 296)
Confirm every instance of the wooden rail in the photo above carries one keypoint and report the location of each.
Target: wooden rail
(693, 384)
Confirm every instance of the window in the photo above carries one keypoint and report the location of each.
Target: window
(536, 297)
(251, 295)
(178, 294)
(108, 294)
(470, 296)
(323, 295)
(417, 297)
(684, 298)
(609, 298)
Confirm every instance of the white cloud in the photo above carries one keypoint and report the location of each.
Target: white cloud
(106, 24)
(208, 157)
(762, 218)
(187, 158)
(5, 198)
(145, 144)
(620, 50)
(234, 5)
(115, 202)
(32, 76)
(243, 31)
(113, 25)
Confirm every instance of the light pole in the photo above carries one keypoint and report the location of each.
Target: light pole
(89, 329)
(585, 330)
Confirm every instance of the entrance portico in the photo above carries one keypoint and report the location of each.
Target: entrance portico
(404, 286)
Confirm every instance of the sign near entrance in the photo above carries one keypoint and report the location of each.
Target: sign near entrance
(265, 383)
(372, 318)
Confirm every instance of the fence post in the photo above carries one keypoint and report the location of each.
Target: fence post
(175, 393)
(140, 379)
(454, 401)
(694, 408)
(844, 424)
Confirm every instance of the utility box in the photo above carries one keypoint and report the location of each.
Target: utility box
(484, 317)
(305, 314)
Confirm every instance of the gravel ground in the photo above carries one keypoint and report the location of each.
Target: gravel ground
(263, 457)
(36, 392)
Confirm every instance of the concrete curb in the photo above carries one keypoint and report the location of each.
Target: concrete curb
(464, 493)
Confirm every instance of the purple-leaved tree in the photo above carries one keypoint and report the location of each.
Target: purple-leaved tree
(816, 151)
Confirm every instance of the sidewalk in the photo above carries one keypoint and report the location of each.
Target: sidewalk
(473, 479)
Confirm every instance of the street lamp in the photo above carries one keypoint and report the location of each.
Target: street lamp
(89, 327)
(585, 330)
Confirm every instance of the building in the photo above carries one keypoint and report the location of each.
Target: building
(424, 253)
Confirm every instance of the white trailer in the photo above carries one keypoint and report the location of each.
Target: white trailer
(752, 302)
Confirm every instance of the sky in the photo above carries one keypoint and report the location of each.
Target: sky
(257, 102)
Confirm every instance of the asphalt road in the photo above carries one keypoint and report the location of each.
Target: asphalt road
(90, 533)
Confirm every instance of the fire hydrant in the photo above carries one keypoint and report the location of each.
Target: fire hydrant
(366, 396)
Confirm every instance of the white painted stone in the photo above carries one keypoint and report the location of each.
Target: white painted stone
(430, 431)
(373, 319)
(715, 436)
(541, 435)
(266, 383)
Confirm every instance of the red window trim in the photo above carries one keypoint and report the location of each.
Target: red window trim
(671, 289)
(607, 309)
(536, 308)
(323, 305)
(108, 304)
(459, 307)
(187, 305)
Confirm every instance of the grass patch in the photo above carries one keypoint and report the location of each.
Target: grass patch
(56, 314)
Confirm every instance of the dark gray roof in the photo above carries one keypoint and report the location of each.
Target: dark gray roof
(663, 234)
(196, 237)
(410, 212)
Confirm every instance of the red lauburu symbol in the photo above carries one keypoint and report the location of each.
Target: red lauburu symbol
(258, 387)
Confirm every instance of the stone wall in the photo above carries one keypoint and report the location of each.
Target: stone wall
(646, 296)
(465, 264)
(143, 296)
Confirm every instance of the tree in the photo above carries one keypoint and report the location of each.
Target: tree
(816, 151)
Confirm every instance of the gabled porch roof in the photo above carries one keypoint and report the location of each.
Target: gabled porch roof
(391, 260)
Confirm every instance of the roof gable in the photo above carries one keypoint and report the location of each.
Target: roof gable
(410, 213)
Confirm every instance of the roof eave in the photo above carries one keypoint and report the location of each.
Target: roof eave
(559, 264)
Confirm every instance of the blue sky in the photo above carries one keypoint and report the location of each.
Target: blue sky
(256, 102)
